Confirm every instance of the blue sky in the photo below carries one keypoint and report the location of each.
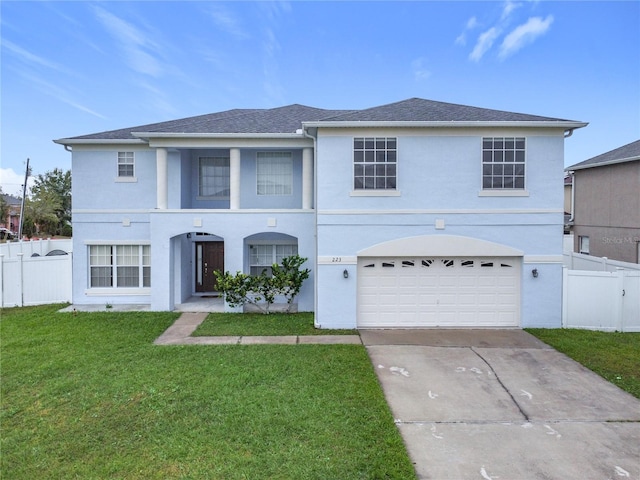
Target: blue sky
(77, 67)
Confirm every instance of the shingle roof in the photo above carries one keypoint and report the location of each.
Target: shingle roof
(289, 119)
(626, 153)
(286, 119)
(421, 110)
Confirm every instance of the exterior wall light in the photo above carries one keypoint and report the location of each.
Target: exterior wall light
(534, 272)
(345, 274)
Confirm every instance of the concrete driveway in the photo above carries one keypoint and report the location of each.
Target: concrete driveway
(501, 405)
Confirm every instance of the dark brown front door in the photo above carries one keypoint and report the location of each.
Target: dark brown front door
(209, 258)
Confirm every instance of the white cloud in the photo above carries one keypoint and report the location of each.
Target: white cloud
(419, 68)
(136, 44)
(484, 43)
(524, 34)
(509, 7)
(58, 93)
(462, 38)
(11, 182)
(226, 21)
(31, 58)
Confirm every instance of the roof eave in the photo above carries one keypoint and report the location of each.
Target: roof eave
(602, 164)
(566, 125)
(148, 135)
(101, 141)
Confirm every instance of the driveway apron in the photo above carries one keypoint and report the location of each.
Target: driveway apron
(500, 404)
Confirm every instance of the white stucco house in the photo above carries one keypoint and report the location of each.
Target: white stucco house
(413, 214)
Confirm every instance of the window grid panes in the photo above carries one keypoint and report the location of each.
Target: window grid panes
(263, 256)
(125, 164)
(119, 266)
(374, 163)
(503, 163)
(214, 177)
(274, 173)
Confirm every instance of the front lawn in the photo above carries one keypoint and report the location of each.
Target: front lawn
(612, 355)
(89, 396)
(248, 324)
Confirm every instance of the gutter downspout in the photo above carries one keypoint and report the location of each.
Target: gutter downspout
(315, 209)
(573, 195)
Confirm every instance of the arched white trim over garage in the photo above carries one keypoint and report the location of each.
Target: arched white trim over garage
(439, 281)
(440, 245)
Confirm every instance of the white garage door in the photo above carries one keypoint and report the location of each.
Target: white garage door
(438, 292)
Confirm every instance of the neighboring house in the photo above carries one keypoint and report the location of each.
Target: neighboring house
(606, 212)
(413, 214)
(12, 220)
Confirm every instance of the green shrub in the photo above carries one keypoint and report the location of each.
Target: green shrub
(286, 280)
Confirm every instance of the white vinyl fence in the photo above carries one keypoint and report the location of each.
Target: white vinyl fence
(579, 261)
(608, 301)
(29, 277)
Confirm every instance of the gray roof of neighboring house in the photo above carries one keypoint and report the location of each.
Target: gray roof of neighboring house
(626, 153)
(289, 119)
(11, 200)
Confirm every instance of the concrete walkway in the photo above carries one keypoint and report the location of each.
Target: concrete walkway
(180, 334)
(500, 404)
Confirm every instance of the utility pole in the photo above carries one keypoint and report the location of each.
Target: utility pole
(24, 194)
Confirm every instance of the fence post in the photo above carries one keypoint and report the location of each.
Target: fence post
(619, 298)
(1, 281)
(21, 279)
(565, 295)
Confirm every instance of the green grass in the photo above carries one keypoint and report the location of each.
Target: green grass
(89, 396)
(247, 324)
(614, 356)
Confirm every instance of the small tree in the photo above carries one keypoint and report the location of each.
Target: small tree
(288, 277)
(286, 280)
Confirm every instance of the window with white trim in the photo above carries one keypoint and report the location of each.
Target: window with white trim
(374, 163)
(119, 266)
(213, 177)
(503, 163)
(126, 165)
(261, 257)
(274, 173)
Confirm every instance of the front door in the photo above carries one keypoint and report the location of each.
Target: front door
(209, 258)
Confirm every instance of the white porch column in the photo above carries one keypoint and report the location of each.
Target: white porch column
(307, 178)
(162, 173)
(234, 178)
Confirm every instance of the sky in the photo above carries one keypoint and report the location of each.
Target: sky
(71, 68)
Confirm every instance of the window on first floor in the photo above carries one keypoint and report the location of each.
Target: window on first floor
(261, 257)
(583, 244)
(374, 163)
(126, 165)
(119, 266)
(274, 173)
(213, 178)
(503, 163)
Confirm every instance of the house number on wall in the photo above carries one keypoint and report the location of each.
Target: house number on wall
(336, 259)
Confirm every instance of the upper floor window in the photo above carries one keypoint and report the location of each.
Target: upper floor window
(125, 165)
(503, 163)
(119, 266)
(213, 178)
(274, 173)
(374, 163)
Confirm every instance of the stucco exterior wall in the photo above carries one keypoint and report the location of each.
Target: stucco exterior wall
(439, 179)
(607, 210)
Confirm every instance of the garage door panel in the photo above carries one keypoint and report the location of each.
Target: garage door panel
(405, 292)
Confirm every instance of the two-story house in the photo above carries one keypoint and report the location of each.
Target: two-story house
(606, 212)
(413, 214)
